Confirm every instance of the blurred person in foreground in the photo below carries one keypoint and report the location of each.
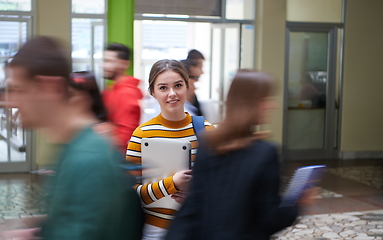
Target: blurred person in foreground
(234, 191)
(89, 197)
(168, 84)
(86, 99)
(121, 99)
(7, 74)
(194, 66)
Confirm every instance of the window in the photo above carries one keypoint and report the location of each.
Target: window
(240, 9)
(88, 36)
(156, 40)
(88, 6)
(16, 5)
(15, 29)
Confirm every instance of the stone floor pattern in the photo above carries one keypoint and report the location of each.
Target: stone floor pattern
(369, 175)
(351, 225)
(22, 200)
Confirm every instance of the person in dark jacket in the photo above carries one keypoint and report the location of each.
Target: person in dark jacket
(235, 186)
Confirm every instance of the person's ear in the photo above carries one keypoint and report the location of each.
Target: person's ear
(152, 93)
(124, 64)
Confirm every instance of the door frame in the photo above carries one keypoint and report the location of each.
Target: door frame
(223, 77)
(223, 54)
(101, 81)
(328, 151)
(28, 164)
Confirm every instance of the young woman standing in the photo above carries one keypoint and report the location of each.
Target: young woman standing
(168, 83)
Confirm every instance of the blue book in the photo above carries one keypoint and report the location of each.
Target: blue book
(303, 178)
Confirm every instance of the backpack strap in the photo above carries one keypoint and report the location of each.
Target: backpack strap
(198, 125)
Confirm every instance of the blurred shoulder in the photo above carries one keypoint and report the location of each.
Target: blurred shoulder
(90, 147)
(264, 144)
(265, 149)
(88, 137)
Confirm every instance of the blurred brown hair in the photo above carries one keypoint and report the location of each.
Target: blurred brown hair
(167, 65)
(187, 63)
(194, 54)
(42, 56)
(247, 90)
(86, 82)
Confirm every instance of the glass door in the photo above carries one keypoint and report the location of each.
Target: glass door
(88, 41)
(14, 141)
(232, 47)
(225, 61)
(310, 82)
(97, 51)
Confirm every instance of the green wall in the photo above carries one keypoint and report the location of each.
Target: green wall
(120, 24)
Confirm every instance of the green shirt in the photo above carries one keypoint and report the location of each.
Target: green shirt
(90, 197)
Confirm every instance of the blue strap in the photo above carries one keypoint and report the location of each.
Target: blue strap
(198, 124)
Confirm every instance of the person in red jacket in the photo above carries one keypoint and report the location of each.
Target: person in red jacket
(121, 99)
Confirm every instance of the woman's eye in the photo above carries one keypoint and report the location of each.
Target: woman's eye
(162, 88)
(179, 85)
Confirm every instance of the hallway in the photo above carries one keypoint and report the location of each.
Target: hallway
(350, 205)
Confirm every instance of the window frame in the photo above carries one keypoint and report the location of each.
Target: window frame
(101, 16)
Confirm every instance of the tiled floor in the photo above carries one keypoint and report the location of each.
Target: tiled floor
(350, 225)
(21, 201)
(350, 205)
(369, 175)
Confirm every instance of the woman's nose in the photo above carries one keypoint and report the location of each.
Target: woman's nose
(172, 92)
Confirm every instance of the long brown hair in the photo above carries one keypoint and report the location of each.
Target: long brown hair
(247, 90)
(86, 82)
(167, 65)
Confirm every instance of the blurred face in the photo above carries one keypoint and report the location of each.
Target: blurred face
(7, 75)
(265, 110)
(196, 71)
(192, 86)
(113, 66)
(28, 98)
(170, 91)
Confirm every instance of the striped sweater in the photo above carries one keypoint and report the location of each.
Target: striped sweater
(159, 127)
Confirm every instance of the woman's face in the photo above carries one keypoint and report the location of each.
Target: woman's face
(170, 91)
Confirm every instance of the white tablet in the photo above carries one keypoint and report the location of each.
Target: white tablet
(161, 158)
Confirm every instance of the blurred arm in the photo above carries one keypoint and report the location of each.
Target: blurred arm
(268, 213)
